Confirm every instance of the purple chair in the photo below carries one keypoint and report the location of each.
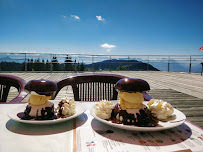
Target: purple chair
(91, 87)
(6, 82)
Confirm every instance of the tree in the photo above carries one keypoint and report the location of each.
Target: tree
(82, 67)
(68, 64)
(120, 68)
(29, 68)
(47, 66)
(55, 64)
(43, 65)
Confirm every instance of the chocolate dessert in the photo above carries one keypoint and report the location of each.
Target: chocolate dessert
(139, 117)
(39, 108)
(131, 110)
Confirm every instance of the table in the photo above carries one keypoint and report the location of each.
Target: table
(86, 134)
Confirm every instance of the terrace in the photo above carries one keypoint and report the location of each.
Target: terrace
(183, 89)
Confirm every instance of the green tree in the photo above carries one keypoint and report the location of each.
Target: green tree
(120, 67)
(55, 64)
(47, 66)
(82, 67)
(43, 65)
(68, 64)
(29, 68)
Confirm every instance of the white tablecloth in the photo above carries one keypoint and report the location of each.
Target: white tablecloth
(91, 135)
(21, 137)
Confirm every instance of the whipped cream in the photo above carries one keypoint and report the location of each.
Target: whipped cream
(66, 107)
(103, 109)
(160, 109)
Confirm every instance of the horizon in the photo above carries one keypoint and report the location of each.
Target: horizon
(102, 27)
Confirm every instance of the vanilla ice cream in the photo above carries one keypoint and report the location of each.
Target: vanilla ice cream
(160, 109)
(130, 100)
(103, 109)
(36, 99)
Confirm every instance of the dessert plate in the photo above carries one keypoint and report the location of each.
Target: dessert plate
(80, 109)
(180, 119)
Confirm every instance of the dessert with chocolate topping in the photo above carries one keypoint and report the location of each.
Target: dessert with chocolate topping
(39, 108)
(130, 110)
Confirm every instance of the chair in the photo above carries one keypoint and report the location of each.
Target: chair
(91, 87)
(6, 82)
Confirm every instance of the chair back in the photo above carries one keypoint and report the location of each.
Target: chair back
(91, 87)
(6, 82)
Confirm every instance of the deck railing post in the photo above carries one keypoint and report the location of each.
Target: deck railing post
(25, 62)
(168, 63)
(148, 63)
(110, 64)
(92, 63)
(128, 62)
(190, 65)
(75, 66)
(51, 67)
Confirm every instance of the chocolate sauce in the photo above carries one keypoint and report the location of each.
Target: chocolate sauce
(22, 116)
(142, 119)
(47, 113)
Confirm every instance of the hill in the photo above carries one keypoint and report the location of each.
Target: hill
(115, 64)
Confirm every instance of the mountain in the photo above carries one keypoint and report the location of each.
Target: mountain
(5, 59)
(9, 59)
(115, 64)
(176, 66)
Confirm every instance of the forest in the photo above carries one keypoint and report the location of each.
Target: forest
(42, 65)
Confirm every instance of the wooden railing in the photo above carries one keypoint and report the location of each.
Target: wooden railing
(170, 63)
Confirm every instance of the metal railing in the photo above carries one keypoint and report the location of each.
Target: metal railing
(170, 63)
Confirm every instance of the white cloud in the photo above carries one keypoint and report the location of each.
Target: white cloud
(75, 17)
(108, 46)
(64, 16)
(99, 18)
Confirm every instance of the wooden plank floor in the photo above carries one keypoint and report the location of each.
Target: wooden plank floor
(184, 91)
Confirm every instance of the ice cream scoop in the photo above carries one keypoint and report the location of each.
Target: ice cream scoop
(130, 100)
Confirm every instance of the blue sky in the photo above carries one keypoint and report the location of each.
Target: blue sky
(122, 27)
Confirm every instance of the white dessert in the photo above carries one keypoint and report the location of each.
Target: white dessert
(160, 109)
(66, 107)
(103, 109)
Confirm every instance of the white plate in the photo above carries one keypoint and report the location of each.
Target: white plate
(80, 109)
(180, 119)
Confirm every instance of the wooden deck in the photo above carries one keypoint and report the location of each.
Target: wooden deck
(184, 91)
